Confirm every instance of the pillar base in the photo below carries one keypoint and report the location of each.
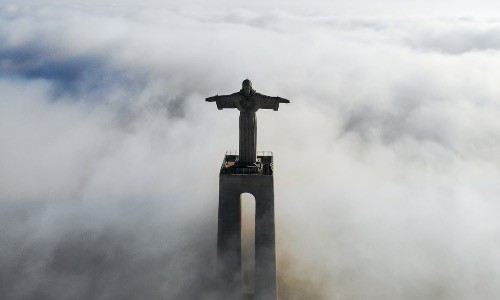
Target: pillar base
(231, 185)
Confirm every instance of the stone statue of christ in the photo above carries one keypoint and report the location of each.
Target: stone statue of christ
(247, 101)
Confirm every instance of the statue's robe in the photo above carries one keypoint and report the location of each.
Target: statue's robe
(248, 106)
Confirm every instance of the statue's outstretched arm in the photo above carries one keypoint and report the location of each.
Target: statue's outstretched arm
(224, 101)
(268, 102)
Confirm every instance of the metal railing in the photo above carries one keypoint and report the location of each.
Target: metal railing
(259, 153)
(264, 164)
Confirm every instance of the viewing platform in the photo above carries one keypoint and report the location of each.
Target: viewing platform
(263, 165)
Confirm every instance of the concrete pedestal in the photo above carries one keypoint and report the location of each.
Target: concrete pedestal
(233, 182)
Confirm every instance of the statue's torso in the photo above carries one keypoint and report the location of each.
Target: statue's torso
(247, 104)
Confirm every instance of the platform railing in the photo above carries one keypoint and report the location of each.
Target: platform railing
(259, 153)
(264, 164)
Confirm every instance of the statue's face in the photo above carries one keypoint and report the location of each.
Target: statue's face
(247, 87)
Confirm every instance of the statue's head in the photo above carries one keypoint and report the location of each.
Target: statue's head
(246, 87)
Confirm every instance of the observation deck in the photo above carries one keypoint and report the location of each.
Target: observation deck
(263, 165)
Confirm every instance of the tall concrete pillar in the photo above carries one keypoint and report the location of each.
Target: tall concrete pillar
(234, 182)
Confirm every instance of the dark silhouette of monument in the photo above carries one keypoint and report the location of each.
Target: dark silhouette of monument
(246, 172)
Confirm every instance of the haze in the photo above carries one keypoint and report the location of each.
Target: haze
(386, 161)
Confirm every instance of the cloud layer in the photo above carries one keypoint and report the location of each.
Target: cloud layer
(387, 159)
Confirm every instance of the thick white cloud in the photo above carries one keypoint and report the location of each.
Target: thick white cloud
(386, 160)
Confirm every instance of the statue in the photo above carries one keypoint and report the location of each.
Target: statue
(247, 101)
